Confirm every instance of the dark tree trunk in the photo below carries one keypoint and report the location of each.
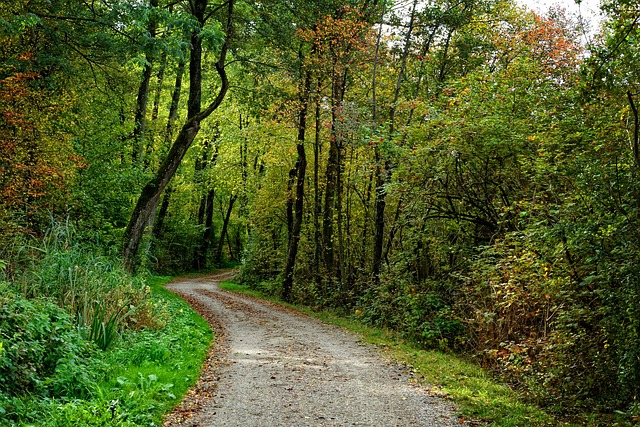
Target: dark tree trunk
(635, 145)
(158, 227)
(333, 171)
(142, 100)
(201, 255)
(200, 164)
(205, 211)
(300, 171)
(160, 80)
(383, 166)
(157, 231)
(150, 195)
(317, 209)
(225, 226)
(140, 121)
(175, 101)
(293, 172)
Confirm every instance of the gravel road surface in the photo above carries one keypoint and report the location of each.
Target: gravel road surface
(270, 367)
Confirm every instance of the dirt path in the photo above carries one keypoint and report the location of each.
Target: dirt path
(272, 367)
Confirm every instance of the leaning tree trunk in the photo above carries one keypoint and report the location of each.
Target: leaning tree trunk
(150, 195)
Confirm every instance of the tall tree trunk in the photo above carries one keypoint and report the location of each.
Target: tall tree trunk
(142, 100)
(244, 152)
(333, 170)
(204, 161)
(201, 256)
(150, 195)
(160, 80)
(317, 209)
(293, 172)
(156, 233)
(383, 166)
(158, 227)
(635, 144)
(225, 226)
(175, 101)
(140, 121)
(301, 168)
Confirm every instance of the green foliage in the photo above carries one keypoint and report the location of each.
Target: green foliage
(511, 198)
(94, 288)
(103, 329)
(43, 354)
(133, 383)
(416, 311)
(153, 368)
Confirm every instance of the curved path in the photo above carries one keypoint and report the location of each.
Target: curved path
(274, 367)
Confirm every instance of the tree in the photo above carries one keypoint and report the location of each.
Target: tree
(149, 198)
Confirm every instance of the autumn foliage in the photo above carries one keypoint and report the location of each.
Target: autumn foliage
(37, 161)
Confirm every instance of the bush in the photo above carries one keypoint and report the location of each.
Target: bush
(41, 350)
(418, 312)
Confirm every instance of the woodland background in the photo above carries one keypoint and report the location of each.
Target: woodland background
(464, 172)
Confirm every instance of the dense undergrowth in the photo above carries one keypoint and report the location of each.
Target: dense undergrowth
(486, 395)
(82, 343)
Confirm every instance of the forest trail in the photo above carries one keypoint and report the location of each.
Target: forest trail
(274, 367)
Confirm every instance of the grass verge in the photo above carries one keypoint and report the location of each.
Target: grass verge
(478, 395)
(142, 377)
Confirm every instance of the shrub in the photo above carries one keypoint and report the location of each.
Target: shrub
(419, 312)
(42, 352)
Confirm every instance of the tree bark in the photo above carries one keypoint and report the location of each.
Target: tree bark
(150, 194)
(317, 209)
(158, 227)
(636, 130)
(300, 169)
(175, 101)
(383, 166)
(200, 260)
(140, 121)
(333, 170)
(160, 80)
(142, 100)
(205, 211)
(225, 225)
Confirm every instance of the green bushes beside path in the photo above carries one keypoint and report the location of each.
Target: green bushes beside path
(52, 375)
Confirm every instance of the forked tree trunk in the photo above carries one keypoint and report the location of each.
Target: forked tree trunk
(201, 253)
(225, 226)
(150, 195)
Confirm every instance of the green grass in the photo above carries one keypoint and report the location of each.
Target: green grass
(154, 368)
(478, 395)
(143, 376)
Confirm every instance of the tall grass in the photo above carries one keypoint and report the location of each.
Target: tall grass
(87, 282)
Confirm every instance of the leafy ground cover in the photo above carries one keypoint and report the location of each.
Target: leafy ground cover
(142, 376)
(478, 394)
